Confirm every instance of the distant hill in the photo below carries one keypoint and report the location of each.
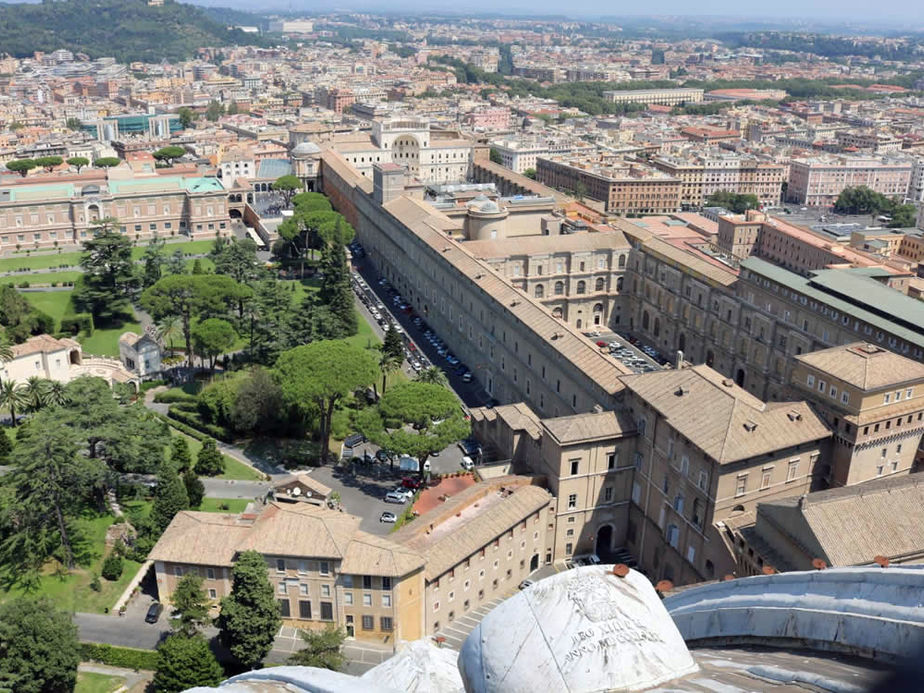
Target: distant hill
(125, 29)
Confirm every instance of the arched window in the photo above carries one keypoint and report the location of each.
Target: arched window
(559, 288)
(598, 307)
(582, 287)
(678, 503)
(657, 327)
(557, 313)
(622, 261)
(619, 284)
(600, 283)
(539, 291)
(645, 320)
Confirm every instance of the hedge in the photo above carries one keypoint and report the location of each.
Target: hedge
(203, 430)
(114, 656)
(78, 322)
(173, 396)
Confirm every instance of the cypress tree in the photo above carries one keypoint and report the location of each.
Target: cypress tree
(169, 497)
(249, 617)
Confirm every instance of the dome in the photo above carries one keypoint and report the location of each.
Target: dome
(489, 207)
(306, 149)
(582, 630)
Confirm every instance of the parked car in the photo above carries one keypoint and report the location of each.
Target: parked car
(470, 447)
(411, 482)
(467, 463)
(388, 517)
(154, 612)
(354, 439)
(467, 377)
(382, 456)
(395, 497)
(406, 492)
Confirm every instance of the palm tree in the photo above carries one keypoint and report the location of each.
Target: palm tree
(11, 397)
(433, 375)
(57, 394)
(35, 393)
(169, 329)
(6, 350)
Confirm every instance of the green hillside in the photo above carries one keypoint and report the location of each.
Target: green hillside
(125, 29)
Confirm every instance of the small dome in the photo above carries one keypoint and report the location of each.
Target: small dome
(305, 149)
(489, 207)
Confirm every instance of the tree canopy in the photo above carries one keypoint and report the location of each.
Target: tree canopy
(287, 186)
(78, 162)
(320, 375)
(169, 154)
(39, 646)
(323, 649)
(733, 202)
(184, 662)
(109, 282)
(249, 618)
(213, 337)
(190, 605)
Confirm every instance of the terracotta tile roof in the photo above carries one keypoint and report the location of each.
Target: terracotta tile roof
(43, 344)
(586, 427)
(866, 366)
(430, 498)
(723, 420)
(282, 529)
(611, 239)
(471, 520)
(854, 524)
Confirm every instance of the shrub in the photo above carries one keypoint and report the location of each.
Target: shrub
(126, 657)
(173, 396)
(191, 420)
(151, 384)
(78, 322)
(23, 285)
(95, 584)
(112, 567)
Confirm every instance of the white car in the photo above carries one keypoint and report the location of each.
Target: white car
(395, 497)
(467, 463)
(388, 517)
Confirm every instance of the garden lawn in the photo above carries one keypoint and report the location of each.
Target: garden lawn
(56, 303)
(44, 278)
(234, 469)
(90, 682)
(39, 261)
(71, 591)
(365, 337)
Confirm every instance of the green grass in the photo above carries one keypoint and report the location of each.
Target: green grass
(103, 341)
(234, 469)
(39, 261)
(44, 278)
(71, 591)
(365, 337)
(90, 682)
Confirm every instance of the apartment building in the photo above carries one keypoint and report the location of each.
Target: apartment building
(523, 153)
(817, 181)
(661, 97)
(51, 211)
(707, 174)
(622, 187)
(875, 142)
(323, 569)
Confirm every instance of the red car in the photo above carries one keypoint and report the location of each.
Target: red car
(411, 482)
(601, 344)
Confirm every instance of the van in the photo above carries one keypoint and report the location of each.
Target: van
(467, 463)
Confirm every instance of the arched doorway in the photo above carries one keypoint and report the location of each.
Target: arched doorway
(604, 543)
(710, 358)
(234, 214)
(406, 152)
(739, 377)
(645, 320)
(534, 562)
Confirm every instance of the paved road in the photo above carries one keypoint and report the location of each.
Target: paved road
(227, 488)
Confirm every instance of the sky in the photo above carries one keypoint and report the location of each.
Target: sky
(907, 14)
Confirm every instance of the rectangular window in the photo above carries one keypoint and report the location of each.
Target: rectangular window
(765, 479)
(569, 549)
(367, 582)
(703, 480)
(886, 398)
(793, 470)
(210, 573)
(303, 589)
(304, 609)
(347, 580)
(691, 554)
(636, 492)
(574, 466)
(348, 598)
(368, 622)
(742, 485)
(325, 568)
(608, 494)
(611, 461)
(845, 398)
(572, 500)
(213, 594)
(280, 565)
(810, 380)
(284, 607)
(386, 599)
(281, 588)
(386, 624)
(325, 590)
(386, 583)
(327, 611)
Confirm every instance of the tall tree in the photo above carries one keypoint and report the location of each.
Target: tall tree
(179, 453)
(169, 154)
(209, 461)
(214, 111)
(169, 329)
(176, 263)
(152, 262)
(21, 166)
(52, 484)
(184, 662)
(12, 397)
(35, 393)
(195, 489)
(6, 447)
(392, 353)
(249, 618)
(336, 296)
(49, 163)
(109, 283)
(287, 186)
(186, 116)
(39, 650)
(237, 259)
(190, 605)
(272, 320)
(430, 417)
(323, 649)
(191, 296)
(107, 162)
(57, 393)
(434, 375)
(213, 337)
(321, 374)
(169, 496)
(78, 162)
